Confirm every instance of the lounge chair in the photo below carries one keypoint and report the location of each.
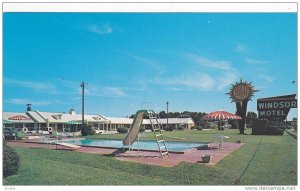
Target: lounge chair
(47, 139)
(218, 141)
(54, 134)
(19, 135)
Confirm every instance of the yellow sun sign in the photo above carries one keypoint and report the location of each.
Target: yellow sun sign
(241, 91)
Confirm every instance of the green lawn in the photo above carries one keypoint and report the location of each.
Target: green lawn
(263, 160)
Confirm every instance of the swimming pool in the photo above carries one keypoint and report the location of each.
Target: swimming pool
(142, 145)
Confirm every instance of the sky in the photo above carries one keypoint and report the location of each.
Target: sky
(131, 61)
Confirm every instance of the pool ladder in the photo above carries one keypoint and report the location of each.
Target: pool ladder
(156, 128)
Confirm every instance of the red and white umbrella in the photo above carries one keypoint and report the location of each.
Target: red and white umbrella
(19, 118)
(221, 115)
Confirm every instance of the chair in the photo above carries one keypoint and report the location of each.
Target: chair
(54, 134)
(218, 141)
(19, 135)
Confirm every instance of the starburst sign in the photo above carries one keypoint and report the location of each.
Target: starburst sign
(241, 91)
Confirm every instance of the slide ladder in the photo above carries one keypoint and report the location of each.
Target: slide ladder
(156, 128)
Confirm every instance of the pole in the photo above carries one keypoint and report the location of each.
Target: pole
(167, 114)
(82, 85)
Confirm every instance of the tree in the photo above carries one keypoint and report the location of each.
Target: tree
(162, 114)
(251, 116)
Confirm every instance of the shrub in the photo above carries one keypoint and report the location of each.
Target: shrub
(193, 127)
(87, 130)
(92, 132)
(222, 128)
(199, 128)
(11, 161)
(142, 130)
(122, 130)
(181, 128)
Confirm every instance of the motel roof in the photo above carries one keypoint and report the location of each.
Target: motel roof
(60, 117)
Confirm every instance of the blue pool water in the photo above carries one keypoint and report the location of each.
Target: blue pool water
(143, 145)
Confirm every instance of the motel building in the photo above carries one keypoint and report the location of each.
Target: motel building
(71, 121)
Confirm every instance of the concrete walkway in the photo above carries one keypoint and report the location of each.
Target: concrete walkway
(146, 157)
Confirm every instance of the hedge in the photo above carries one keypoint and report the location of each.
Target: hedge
(11, 161)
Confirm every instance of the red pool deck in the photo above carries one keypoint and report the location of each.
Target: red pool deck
(152, 158)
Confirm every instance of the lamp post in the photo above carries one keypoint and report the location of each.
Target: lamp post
(167, 114)
(82, 85)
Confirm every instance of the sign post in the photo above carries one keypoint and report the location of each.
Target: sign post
(240, 93)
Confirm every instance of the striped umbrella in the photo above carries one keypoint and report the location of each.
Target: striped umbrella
(19, 117)
(221, 115)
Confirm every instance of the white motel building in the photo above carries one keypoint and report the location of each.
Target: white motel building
(71, 121)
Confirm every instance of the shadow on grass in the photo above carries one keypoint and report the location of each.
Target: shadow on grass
(115, 153)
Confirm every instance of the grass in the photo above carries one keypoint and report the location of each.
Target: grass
(263, 160)
(189, 136)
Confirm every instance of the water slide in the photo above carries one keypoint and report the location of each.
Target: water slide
(135, 128)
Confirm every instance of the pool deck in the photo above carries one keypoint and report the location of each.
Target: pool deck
(148, 157)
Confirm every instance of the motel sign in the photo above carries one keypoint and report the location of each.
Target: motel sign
(276, 107)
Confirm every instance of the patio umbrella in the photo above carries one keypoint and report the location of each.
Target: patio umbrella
(221, 115)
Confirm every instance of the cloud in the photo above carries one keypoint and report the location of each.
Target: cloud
(36, 86)
(146, 61)
(18, 101)
(225, 80)
(70, 86)
(199, 81)
(217, 64)
(266, 78)
(241, 48)
(100, 29)
(104, 91)
(115, 92)
(92, 90)
(255, 61)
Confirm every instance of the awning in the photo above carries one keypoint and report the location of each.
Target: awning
(7, 122)
(72, 123)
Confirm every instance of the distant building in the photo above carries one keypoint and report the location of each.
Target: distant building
(70, 122)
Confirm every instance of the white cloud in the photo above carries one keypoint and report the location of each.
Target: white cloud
(105, 91)
(17, 101)
(92, 90)
(241, 48)
(100, 29)
(115, 92)
(36, 86)
(255, 61)
(217, 64)
(266, 78)
(200, 81)
(149, 62)
(223, 81)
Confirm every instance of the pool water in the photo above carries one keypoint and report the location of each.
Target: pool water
(143, 145)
